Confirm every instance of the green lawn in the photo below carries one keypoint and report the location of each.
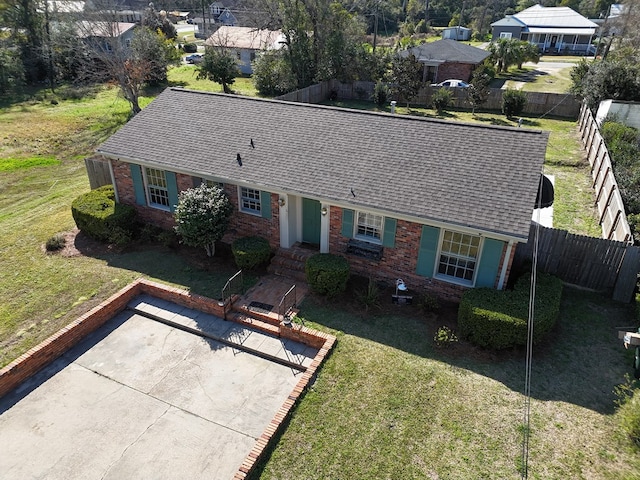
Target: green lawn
(387, 404)
(185, 76)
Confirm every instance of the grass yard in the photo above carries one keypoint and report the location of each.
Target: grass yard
(387, 404)
(185, 76)
(532, 79)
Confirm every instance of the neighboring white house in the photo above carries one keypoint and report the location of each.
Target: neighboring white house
(554, 29)
(244, 43)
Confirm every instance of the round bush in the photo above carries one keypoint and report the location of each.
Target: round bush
(98, 215)
(327, 274)
(250, 252)
(57, 242)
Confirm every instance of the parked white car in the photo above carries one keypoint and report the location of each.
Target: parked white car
(451, 83)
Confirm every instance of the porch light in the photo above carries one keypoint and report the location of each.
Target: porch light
(324, 211)
(281, 201)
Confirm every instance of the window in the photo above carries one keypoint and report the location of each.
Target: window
(369, 227)
(458, 255)
(250, 200)
(505, 34)
(157, 191)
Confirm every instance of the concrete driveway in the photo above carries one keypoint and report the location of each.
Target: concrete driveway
(143, 399)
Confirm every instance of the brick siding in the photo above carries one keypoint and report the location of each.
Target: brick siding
(459, 71)
(242, 224)
(399, 261)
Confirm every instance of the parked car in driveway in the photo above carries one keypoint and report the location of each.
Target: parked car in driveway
(451, 83)
(195, 58)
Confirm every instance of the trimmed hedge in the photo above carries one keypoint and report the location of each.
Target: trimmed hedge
(250, 252)
(327, 274)
(98, 215)
(498, 319)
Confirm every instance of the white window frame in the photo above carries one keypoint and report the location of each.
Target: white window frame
(156, 191)
(369, 224)
(458, 260)
(506, 34)
(249, 201)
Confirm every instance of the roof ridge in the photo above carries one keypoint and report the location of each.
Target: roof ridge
(360, 112)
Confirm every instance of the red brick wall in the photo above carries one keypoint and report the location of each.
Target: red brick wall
(459, 71)
(246, 225)
(398, 262)
(242, 224)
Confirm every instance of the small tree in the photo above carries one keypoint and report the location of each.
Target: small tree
(202, 216)
(442, 99)
(513, 102)
(478, 91)
(218, 66)
(407, 75)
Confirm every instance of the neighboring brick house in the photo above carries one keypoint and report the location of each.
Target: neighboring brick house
(447, 59)
(440, 204)
(553, 29)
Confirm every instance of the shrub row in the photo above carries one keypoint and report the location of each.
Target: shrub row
(623, 144)
(97, 214)
(498, 319)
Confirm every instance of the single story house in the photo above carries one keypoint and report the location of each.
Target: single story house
(457, 33)
(106, 36)
(554, 29)
(244, 43)
(445, 59)
(441, 205)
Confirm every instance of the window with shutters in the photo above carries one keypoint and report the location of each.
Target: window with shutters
(250, 201)
(156, 188)
(369, 227)
(458, 256)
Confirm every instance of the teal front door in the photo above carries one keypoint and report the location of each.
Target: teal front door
(311, 221)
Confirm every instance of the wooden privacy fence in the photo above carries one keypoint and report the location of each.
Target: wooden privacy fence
(98, 171)
(612, 216)
(593, 263)
(538, 103)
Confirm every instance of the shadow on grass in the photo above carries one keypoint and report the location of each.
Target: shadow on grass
(580, 362)
(184, 266)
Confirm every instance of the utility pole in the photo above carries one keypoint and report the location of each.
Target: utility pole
(375, 28)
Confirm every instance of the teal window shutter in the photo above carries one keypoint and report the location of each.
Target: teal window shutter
(138, 184)
(347, 223)
(428, 250)
(389, 235)
(172, 189)
(265, 204)
(489, 263)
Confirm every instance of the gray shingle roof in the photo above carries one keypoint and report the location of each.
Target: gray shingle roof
(471, 175)
(448, 50)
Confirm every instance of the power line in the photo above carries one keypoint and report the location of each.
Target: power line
(526, 420)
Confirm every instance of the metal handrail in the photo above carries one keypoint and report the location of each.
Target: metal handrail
(228, 291)
(285, 305)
